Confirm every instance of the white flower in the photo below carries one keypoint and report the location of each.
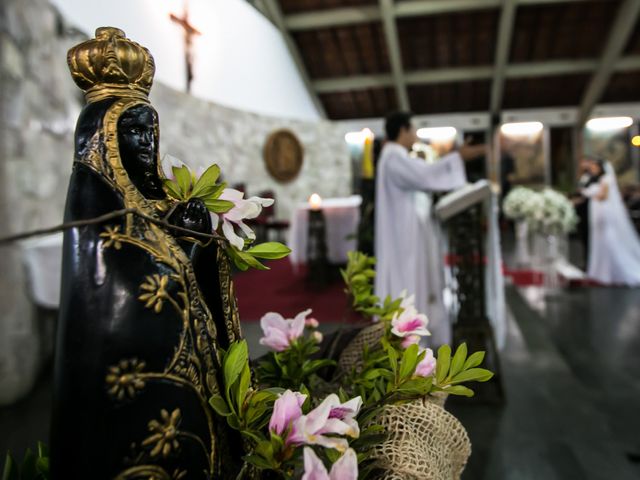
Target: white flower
(514, 204)
(168, 162)
(243, 209)
(345, 468)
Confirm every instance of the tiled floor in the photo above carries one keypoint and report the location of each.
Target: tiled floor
(573, 391)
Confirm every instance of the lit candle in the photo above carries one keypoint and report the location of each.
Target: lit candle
(315, 202)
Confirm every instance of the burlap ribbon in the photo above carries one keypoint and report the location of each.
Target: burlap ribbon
(425, 442)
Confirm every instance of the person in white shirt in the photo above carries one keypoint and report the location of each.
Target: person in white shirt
(406, 246)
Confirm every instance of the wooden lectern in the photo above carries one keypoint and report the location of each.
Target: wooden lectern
(464, 214)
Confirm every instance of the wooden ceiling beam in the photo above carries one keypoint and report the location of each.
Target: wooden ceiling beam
(332, 18)
(395, 57)
(467, 74)
(621, 30)
(503, 46)
(356, 82)
(336, 17)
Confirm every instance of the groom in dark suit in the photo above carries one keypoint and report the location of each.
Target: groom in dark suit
(582, 205)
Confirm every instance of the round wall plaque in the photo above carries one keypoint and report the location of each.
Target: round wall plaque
(283, 154)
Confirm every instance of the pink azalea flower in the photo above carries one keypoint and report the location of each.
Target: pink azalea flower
(410, 340)
(286, 409)
(345, 468)
(311, 323)
(409, 322)
(427, 365)
(243, 209)
(280, 332)
(329, 418)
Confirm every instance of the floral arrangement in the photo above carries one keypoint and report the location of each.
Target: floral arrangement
(515, 202)
(302, 425)
(548, 212)
(228, 209)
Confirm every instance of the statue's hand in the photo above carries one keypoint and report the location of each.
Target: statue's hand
(192, 215)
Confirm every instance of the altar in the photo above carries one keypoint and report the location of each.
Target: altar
(342, 216)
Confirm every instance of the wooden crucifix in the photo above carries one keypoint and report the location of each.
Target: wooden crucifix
(189, 32)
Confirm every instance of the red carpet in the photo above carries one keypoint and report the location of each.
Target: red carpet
(529, 278)
(288, 293)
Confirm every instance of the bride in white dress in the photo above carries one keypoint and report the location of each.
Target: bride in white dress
(614, 255)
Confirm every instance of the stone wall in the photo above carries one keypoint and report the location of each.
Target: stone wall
(201, 133)
(39, 105)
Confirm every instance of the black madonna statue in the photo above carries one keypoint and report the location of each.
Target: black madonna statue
(145, 309)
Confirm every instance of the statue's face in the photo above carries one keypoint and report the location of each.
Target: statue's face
(137, 141)
(136, 136)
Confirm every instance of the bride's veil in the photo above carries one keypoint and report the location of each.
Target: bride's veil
(618, 215)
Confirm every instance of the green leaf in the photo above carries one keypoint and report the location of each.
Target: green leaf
(459, 390)
(219, 405)
(42, 465)
(237, 260)
(265, 448)
(210, 193)
(235, 361)
(251, 435)
(417, 386)
(10, 470)
(393, 359)
(270, 250)
(458, 360)
(172, 189)
(442, 362)
(473, 375)
(377, 373)
(233, 422)
(183, 179)
(474, 360)
(206, 180)
(409, 362)
(314, 365)
(28, 470)
(250, 260)
(43, 451)
(243, 386)
(257, 461)
(218, 206)
(262, 396)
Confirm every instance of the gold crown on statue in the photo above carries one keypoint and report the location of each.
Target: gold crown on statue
(111, 65)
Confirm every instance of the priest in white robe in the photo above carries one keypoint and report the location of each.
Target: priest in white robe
(406, 241)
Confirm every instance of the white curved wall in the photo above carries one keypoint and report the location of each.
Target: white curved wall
(240, 59)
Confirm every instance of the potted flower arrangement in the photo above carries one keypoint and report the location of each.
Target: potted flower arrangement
(372, 409)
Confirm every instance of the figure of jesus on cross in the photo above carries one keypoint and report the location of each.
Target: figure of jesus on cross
(189, 32)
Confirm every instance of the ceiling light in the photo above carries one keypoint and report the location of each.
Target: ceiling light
(358, 138)
(521, 128)
(437, 133)
(609, 123)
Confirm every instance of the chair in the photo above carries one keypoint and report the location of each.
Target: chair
(267, 222)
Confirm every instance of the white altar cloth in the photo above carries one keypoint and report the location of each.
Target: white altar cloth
(342, 216)
(43, 263)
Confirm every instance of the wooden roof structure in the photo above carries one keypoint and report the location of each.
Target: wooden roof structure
(364, 58)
